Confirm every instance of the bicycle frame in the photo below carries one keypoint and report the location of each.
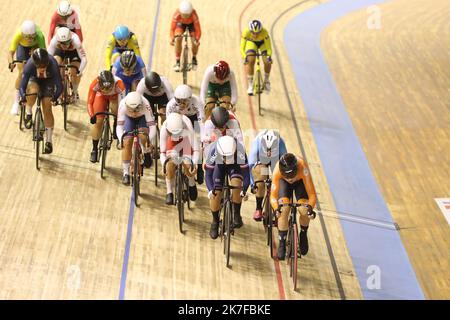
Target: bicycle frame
(38, 127)
(268, 216)
(106, 138)
(67, 94)
(185, 65)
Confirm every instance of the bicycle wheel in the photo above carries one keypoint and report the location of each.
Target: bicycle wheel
(185, 64)
(104, 145)
(292, 253)
(37, 124)
(179, 196)
(22, 116)
(270, 231)
(136, 175)
(227, 243)
(65, 98)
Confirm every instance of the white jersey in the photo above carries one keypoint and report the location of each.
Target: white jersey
(211, 133)
(75, 45)
(165, 89)
(195, 107)
(188, 139)
(146, 111)
(210, 77)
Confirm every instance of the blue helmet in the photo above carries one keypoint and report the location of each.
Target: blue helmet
(121, 33)
(255, 26)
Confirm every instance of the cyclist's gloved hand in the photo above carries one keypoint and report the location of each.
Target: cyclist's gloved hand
(253, 188)
(23, 100)
(172, 42)
(11, 66)
(54, 101)
(305, 209)
(93, 120)
(244, 196)
(269, 59)
(211, 194)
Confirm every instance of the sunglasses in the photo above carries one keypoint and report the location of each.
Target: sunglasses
(66, 43)
(29, 36)
(182, 101)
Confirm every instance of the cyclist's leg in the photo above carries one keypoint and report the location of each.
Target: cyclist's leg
(284, 195)
(191, 179)
(162, 103)
(302, 196)
(114, 107)
(236, 179)
(224, 93)
(195, 45)
(75, 61)
(218, 177)
(179, 30)
(210, 104)
(32, 88)
(99, 105)
(47, 88)
(22, 54)
(257, 173)
(267, 66)
(145, 141)
(250, 50)
(170, 182)
(126, 150)
(59, 57)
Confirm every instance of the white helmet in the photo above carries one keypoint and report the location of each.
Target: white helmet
(63, 34)
(133, 102)
(269, 139)
(28, 27)
(64, 8)
(226, 146)
(183, 92)
(174, 123)
(186, 7)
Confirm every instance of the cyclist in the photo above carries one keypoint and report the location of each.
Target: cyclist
(226, 156)
(26, 39)
(66, 44)
(185, 17)
(266, 150)
(185, 103)
(121, 40)
(41, 74)
(65, 16)
(218, 82)
(130, 68)
(291, 174)
(105, 89)
(135, 110)
(222, 122)
(157, 90)
(256, 38)
(178, 139)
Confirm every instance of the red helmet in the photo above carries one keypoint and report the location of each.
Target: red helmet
(221, 70)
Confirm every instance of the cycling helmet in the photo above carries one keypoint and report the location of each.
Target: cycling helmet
(133, 102)
(255, 26)
(221, 70)
(219, 117)
(64, 35)
(121, 33)
(174, 123)
(28, 27)
(288, 165)
(186, 7)
(64, 9)
(183, 93)
(269, 140)
(40, 58)
(106, 80)
(226, 146)
(128, 60)
(152, 81)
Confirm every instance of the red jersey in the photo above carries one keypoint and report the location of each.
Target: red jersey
(72, 22)
(193, 19)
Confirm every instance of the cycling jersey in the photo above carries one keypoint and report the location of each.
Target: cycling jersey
(137, 74)
(117, 93)
(166, 88)
(210, 78)
(250, 42)
(51, 78)
(20, 40)
(75, 45)
(125, 120)
(195, 107)
(178, 22)
(72, 22)
(232, 128)
(259, 155)
(184, 145)
(113, 46)
(236, 167)
(303, 175)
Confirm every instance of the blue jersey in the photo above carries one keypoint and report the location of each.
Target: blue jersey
(259, 155)
(136, 75)
(236, 167)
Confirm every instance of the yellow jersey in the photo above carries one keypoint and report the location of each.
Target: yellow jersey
(19, 39)
(114, 47)
(260, 39)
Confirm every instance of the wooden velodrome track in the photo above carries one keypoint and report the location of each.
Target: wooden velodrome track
(63, 230)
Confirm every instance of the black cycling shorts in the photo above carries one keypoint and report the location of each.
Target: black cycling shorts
(287, 190)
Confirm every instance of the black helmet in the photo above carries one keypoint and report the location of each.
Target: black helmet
(106, 80)
(128, 60)
(40, 58)
(288, 165)
(152, 81)
(219, 117)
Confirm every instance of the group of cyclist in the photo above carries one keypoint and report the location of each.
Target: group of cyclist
(203, 128)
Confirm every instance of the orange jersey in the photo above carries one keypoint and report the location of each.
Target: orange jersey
(302, 174)
(94, 88)
(193, 19)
